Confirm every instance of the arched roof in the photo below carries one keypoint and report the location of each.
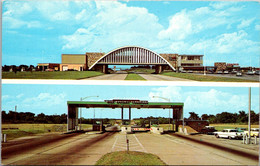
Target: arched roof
(135, 54)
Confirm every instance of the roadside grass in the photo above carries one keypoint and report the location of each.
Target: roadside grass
(21, 130)
(222, 126)
(72, 75)
(130, 158)
(133, 76)
(142, 70)
(204, 78)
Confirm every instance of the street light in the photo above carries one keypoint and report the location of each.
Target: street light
(81, 99)
(169, 100)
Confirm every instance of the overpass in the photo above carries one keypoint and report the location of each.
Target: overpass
(131, 55)
(72, 118)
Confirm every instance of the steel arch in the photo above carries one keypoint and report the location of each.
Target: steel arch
(132, 55)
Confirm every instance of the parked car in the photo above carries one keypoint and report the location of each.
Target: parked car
(257, 72)
(239, 74)
(190, 71)
(234, 72)
(226, 72)
(249, 72)
(208, 130)
(254, 132)
(219, 72)
(229, 133)
(183, 71)
(239, 129)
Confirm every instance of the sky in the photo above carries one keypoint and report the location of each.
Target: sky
(40, 31)
(52, 99)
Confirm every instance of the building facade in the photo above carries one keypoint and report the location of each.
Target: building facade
(129, 55)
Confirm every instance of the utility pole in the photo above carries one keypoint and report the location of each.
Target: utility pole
(249, 116)
(15, 110)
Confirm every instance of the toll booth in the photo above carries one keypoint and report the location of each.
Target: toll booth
(98, 125)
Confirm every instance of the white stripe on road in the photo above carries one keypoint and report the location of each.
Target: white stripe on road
(140, 144)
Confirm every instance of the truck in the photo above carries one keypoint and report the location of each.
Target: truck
(229, 133)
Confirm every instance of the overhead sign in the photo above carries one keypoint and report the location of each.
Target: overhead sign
(126, 101)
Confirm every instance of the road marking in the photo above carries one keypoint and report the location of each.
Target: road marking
(140, 144)
(114, 143)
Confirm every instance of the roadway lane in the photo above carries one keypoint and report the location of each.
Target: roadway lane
(81, 150)
(119, 75)
(158, 77)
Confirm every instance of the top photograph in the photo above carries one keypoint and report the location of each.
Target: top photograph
(201, 41)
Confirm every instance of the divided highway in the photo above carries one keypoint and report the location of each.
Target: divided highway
(86, 149)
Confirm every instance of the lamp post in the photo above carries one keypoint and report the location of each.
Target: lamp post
(204, 62)
(81, 99)
(169, 100)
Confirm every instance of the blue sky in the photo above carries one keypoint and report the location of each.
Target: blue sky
(52, 99)
(40, 31)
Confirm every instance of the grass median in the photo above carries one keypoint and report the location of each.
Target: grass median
(72, 75)
(222, 126)
(130, 158)
(204, 77)
(134, 76)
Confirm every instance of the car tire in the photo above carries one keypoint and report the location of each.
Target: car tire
(229, 137)
(217, 136)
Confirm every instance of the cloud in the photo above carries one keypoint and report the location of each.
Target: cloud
(180, 27)
(5, 97)
(245, 23)
(113, 24)
(210, 101)
(257, 27)
(19, 96)
(44, 99)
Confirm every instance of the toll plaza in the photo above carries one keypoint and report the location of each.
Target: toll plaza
(73, 107)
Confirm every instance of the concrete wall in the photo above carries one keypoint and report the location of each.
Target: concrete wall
(197, 125)
(157, 130)
(126, 129)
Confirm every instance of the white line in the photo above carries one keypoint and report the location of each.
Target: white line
(140, 143)
(114, 144)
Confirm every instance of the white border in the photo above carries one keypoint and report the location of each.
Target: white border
(131, 83)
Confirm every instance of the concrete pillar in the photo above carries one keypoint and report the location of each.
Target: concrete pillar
(72, 118)
(175, 112)
(122, 114)
(129, 115)
(105, 68)
(158, 69)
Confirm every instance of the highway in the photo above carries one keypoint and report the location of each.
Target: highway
(87, 148)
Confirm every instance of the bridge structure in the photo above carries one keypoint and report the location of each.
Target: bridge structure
(132, 55)
(73, 106)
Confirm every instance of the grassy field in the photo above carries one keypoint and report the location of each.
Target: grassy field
(204, 78)
(133, 76)
(51, 75)
(220, 127)
(130, 158)
(32, 129)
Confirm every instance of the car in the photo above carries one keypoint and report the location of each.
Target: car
(234, 72)
(254, 132)
(239, 129)
(219, 72)
(257, 72)
(249, 72)
(183, 71)
(226, 72)
(190, 71)
(239, 74)
(229, 133)
(208, 130)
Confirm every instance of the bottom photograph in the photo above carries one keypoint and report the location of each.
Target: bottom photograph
(129, 125)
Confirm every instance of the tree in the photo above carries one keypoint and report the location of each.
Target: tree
(193, 116)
